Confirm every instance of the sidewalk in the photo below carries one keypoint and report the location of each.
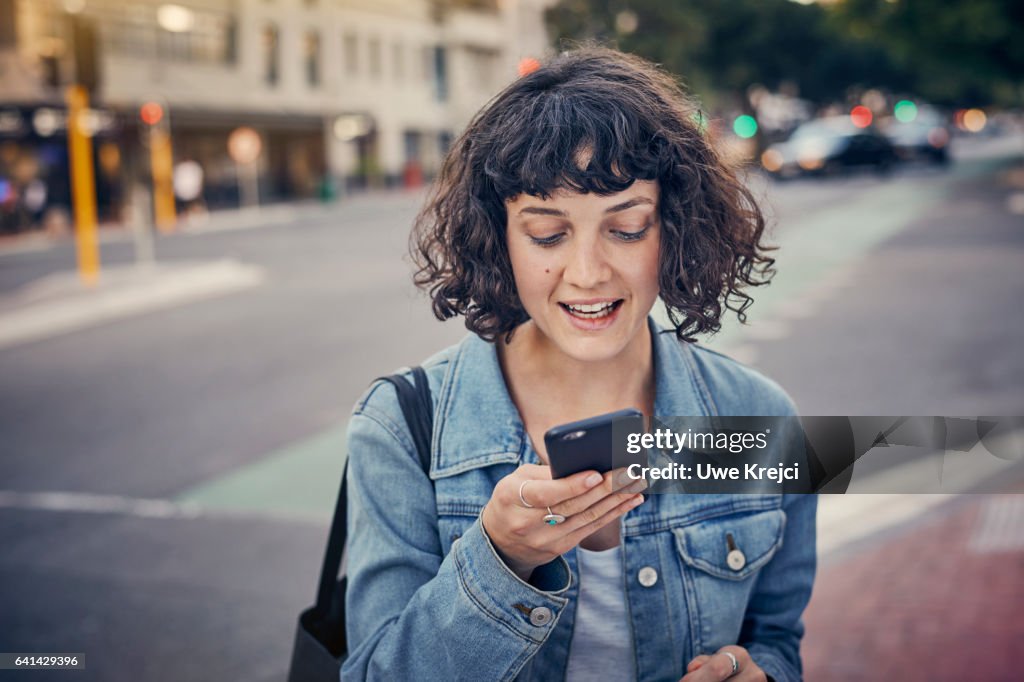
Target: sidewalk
(221, 220)
(940, 599)
(59, 303)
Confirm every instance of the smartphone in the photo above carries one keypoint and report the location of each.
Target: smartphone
(590, 443)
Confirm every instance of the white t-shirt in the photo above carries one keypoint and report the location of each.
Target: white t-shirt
(602, 640)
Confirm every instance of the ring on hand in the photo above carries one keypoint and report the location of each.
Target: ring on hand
(521, 498)
(735, 663)
(553, 519)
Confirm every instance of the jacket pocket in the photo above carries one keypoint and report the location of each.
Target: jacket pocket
(719, 559)
(751, 540)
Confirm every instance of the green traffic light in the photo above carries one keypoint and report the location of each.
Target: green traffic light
(905, 111)
(744, 126)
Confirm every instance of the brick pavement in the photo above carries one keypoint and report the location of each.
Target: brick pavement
(941, 599)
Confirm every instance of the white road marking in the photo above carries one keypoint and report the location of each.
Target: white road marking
(843, 519)
(31, 315)
(97, 504)
(1000, 526)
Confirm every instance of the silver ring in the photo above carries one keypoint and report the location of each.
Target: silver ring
(735, 663)
(553, 519)
(521, 498)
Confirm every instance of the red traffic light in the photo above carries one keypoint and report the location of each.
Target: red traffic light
(151, 113)
(861, 116)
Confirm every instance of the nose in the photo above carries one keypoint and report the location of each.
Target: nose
(587, 265)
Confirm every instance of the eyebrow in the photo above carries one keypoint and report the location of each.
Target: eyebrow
(629, 203)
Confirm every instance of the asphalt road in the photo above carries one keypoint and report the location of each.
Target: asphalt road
(896, 295)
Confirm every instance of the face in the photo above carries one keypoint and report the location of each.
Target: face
(586, 267)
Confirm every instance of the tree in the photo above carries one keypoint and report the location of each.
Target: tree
(963, 52)
(950, 51)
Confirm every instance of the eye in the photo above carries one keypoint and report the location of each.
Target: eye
(632, 236)
(547, 241)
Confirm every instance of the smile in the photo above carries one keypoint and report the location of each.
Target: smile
(592, 311)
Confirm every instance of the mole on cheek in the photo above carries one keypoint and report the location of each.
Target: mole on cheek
(547, 270)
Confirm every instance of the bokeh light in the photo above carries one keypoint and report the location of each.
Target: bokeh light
(975, 120)
(626, 22)
(744, 126)
(861, 116)
(527, 65)
(905, 111)
(771, 160)
(151, 113)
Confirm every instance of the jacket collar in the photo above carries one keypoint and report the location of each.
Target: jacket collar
(478, 424)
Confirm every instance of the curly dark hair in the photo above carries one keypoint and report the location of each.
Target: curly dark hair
(635, 123)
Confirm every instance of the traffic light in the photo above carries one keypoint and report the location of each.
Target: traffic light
(156, 135)
(151, 113)
(905, 111)
(861, 116)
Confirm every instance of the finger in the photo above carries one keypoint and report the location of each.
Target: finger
(614, 481)
(704, 673)
(713, 669)
(697, 662)
(721, 666)
(595, 511)
(746, 670)
(512, 489)
(547, 492)
(610, 484)
(535, 471)
(577, 534)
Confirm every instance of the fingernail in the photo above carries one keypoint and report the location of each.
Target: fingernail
(637, 501)
(593, 479)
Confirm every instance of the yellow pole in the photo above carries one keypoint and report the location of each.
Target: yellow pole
(162, 169)
(83, 186)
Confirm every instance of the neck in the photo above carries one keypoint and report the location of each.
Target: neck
(542, 375)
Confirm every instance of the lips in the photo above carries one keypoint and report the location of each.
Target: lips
(592, 315)
(590, 311)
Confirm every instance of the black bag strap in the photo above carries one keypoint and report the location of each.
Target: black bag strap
(418, 410)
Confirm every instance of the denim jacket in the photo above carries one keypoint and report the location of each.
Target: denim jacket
(428, 598)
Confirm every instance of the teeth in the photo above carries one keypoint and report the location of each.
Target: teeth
(591, 310)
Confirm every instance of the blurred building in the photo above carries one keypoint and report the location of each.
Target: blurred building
(342, 93)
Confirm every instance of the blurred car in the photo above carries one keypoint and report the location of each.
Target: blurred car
(920, 140)
(828, 146)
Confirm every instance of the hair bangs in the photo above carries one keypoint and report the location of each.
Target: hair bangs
(571, 140)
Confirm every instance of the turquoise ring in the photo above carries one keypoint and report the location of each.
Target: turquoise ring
(553, 519)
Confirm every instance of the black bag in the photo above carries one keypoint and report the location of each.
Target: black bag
(320, 644)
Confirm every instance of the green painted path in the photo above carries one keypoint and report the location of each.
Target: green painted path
(299, 481)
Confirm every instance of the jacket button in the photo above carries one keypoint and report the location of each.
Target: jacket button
(647, 576)
(540, 616)
(736, 559)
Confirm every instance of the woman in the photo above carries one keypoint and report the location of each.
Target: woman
(580, 194)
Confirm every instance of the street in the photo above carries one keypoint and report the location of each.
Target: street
(166, 477)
